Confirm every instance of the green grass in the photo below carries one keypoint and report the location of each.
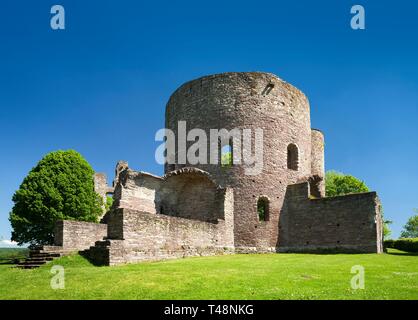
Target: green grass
(262, 276)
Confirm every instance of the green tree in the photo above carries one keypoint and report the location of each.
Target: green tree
(60, 186)
(339, 184)
(109, 203)
(410, 229)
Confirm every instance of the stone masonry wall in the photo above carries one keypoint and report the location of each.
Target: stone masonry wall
(135, 235)
(154, 237)
(345, 223)
(100, 186)
(102, 189)
(318, 163)
(78, 235)
(187, 193)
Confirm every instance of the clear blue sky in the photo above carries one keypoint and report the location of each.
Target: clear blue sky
(100, 86)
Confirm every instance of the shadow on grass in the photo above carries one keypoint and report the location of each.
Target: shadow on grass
(402, 253)
(330, 251)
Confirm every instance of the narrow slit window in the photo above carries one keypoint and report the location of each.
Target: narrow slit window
(263, 209)
(226, 155)
(292, 157)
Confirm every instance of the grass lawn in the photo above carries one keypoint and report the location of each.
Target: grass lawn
(256, 276)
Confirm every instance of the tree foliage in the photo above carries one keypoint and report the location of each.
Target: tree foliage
(60, 186)
(109, 203)
(338, 184)
(386, 229)
(410, 229)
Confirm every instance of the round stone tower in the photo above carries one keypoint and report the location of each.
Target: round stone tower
(252, 100)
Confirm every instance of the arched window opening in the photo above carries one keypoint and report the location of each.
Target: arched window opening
(263, 209)
(292, 157)
(226, 155)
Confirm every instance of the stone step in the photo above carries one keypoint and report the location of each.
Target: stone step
(31, 262)
(102, 243)
(52, 248)
(39, 255)
(38, 252)
(99, 247)
(48, 248)
(61, 252)
(27, 266)
(40, 259)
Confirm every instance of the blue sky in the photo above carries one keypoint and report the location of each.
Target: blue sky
(100, 86)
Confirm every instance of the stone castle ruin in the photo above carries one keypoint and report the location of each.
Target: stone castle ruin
(208, 209)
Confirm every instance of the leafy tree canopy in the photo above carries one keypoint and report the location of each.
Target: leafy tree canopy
(410, 229)
(60, 186)
(338, 184)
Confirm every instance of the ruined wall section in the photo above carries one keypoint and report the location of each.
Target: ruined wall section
(157, 237)
(101, 188)
(137, 191)
(139, 236)
(351, 223)
(181, 214)
(318, 163)
(78, 235)
(187, 193)
(121, 166)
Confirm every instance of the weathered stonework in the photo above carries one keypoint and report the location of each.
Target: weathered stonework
(147, 236)
(240, 100)
(78, 235)
(348, 223)
(208, 209)
(102, 189)
(181, 214)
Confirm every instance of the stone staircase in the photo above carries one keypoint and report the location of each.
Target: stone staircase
(99, 253)
(40, 255)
